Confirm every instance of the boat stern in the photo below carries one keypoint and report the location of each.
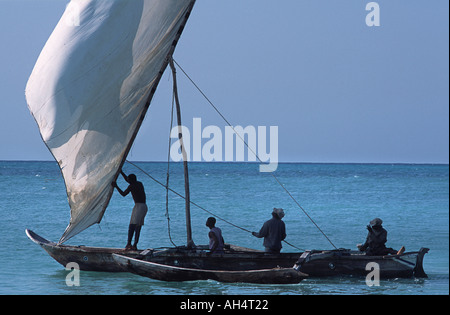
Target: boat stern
(418, 268)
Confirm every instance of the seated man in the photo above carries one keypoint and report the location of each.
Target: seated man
(376, 240)
(216, 242)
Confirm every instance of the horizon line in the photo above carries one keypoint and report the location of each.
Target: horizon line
(257, 162)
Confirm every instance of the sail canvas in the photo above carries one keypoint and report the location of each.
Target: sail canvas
(90, 89)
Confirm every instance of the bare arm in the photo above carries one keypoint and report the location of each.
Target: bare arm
(123, 193)
(124, 176)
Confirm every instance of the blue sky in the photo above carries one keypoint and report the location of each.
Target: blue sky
(338, 90)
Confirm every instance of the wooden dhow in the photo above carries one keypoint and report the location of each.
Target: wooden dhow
(325, 263)
(89, 93)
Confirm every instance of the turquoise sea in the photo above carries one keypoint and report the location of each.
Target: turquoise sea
(412, 200)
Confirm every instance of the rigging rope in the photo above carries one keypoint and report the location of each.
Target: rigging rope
(179, 195)
(237, 134)
(198, 206)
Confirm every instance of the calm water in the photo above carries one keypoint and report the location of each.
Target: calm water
(413, 201)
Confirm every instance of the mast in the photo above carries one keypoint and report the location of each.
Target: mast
(190, 242)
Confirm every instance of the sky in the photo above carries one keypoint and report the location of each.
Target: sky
(339, 90)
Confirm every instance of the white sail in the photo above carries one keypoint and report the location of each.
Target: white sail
(91, 87)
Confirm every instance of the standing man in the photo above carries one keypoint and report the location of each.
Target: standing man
(273, 231)
(139, 211)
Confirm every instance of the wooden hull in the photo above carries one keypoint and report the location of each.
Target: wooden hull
(355, 263)
(172, 273)
(318, 263)
(87, 258)
(100, 259)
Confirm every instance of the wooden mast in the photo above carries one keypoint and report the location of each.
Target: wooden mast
(190, 242)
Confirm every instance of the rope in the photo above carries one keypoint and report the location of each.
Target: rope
(198, 206)
(273, 175)
(179, 195)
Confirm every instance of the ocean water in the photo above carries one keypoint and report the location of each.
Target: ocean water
(412, 200)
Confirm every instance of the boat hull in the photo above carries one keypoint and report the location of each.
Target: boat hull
(172, 273)
(355, 263)
(100, 259)
(317, 264)
(87, 258)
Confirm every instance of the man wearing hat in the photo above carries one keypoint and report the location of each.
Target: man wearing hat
(273, 231)
(376, 240)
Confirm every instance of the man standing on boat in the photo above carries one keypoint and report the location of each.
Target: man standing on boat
(216, 242)
(273, 231)
(140, 208)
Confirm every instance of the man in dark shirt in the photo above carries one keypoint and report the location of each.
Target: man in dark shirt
(273, 231)
(140, 208)
(376, 240)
